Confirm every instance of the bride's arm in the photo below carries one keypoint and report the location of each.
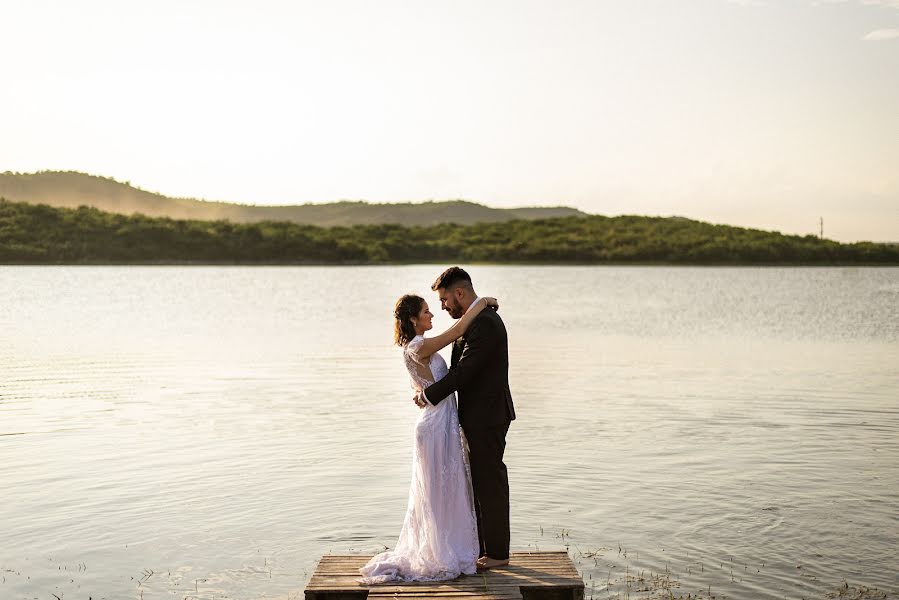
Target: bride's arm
(433, 344)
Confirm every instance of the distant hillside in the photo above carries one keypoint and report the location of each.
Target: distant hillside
(68, 189)
(40, 234)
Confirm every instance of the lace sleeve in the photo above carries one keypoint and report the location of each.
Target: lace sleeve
(419, 369)
(414, 346)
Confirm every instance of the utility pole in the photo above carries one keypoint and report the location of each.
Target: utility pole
(821, 233)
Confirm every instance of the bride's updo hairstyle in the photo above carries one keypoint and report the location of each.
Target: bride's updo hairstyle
(406, 307)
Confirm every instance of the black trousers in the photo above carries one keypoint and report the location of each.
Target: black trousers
(490, 483)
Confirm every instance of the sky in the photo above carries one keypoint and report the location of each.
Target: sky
(768, 114)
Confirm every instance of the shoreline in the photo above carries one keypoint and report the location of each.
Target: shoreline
(192, 263)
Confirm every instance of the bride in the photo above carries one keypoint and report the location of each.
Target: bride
(439, 538)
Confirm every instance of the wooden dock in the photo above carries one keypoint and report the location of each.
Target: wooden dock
(529, 576)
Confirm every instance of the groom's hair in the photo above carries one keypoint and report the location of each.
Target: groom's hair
(452, 278)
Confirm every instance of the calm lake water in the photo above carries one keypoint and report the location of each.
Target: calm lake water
(205, 432)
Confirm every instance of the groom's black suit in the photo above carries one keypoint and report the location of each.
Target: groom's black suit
(479, 372)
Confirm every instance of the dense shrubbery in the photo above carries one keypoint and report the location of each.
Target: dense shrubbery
(41, 234)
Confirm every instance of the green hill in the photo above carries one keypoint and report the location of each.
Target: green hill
(40, 234)
(67, 189)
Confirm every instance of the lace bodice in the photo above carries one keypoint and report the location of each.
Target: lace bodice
(423, 371)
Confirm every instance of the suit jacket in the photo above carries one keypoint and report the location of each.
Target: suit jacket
(479, 372)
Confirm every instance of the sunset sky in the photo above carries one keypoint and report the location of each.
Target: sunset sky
(757, 113)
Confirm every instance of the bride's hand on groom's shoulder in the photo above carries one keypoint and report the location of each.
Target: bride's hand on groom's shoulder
(492, 302)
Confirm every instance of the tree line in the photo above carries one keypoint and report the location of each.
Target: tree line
(40, 234)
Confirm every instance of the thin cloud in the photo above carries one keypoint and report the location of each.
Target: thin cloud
(890, 3)
(886, 3)
(879, 35)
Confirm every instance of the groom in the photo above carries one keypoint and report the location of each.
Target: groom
(479, 372)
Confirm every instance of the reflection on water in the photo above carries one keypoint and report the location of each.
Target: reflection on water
(174, 431)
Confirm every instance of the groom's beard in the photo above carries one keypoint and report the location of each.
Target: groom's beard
(456, 309)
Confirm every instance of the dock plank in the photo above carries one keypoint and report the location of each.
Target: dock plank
(529, 576)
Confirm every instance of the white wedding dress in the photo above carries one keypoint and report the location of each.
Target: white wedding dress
(439, 538)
